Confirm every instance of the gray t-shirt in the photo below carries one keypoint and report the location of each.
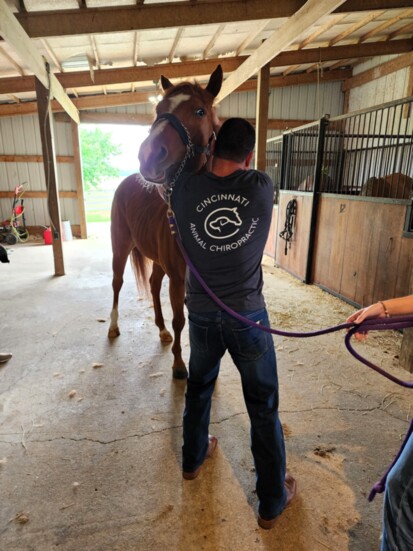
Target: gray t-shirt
(223, 223)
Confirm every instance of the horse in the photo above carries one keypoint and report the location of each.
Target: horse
(179, 140)
(393, 186)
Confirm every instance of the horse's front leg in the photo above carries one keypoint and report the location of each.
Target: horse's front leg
(155, 282)
(177, 295)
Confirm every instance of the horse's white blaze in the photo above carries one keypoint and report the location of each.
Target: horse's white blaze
(158, 128)
(175, 101)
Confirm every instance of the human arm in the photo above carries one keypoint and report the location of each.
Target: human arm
(382, 309)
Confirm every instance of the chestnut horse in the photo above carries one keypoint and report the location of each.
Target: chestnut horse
(179, 140)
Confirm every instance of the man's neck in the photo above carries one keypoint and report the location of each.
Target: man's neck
(225, 167)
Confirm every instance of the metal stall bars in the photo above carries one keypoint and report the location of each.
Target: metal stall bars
(274, 163)
(374, 151)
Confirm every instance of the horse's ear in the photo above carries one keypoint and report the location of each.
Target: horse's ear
(166, 83)
(215, 82)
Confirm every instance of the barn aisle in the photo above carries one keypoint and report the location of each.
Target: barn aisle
(90, 431)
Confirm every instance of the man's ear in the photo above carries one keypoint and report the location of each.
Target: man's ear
(249, 159)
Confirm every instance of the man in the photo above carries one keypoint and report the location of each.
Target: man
(224, 218)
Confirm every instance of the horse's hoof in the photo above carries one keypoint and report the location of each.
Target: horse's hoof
(180, 373)
(165, 336)
(113, 333)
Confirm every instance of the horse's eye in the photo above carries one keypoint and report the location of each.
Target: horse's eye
(200, 112)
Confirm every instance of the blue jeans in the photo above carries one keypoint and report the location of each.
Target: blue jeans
(398, 504)
(252, 351)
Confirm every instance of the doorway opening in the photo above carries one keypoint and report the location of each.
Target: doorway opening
(109, 154)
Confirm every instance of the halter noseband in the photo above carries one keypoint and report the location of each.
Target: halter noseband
(191, 148)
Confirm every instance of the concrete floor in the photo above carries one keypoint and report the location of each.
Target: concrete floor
(101, 470)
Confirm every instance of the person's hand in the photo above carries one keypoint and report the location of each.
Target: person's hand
(371, 312)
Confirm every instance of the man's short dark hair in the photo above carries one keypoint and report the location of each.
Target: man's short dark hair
(236, 139)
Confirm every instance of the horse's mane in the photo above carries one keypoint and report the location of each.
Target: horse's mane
(183, 87)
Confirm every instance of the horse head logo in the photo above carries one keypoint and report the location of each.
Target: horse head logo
(223, 223)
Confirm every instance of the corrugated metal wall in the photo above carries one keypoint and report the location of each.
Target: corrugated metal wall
(381, 90)
(21, 136)
(309, 102)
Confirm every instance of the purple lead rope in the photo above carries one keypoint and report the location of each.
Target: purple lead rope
(399, 322)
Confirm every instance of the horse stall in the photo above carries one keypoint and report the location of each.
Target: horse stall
(350, 180)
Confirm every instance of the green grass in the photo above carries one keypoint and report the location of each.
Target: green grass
(98, 216)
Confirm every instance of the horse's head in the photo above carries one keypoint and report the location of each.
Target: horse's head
(182, 132)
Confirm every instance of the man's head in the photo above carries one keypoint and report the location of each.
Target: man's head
(235, 141)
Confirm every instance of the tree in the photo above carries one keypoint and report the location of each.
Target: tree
(98, 150)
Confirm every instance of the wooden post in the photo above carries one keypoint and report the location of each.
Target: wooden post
(49, 162)
(79, 180)
(263, 91)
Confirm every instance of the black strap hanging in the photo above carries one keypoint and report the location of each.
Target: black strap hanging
(290, 214)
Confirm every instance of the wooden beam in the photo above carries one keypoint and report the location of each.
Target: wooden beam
(382, 70)
(79, 180)
(277, 124)
(251, 37)
(16, 37)
(409, 92)
(11, 61)
(175, 44)
(211, 43)
(38, 194)
(355, 27)
(134, 98)
(116, 118)
(177, 14)
(304, 18)
(33, 159)
(263, 92)
(49, 161)
(193, 69)
(321, 29)
(123, 118)
(386, 24)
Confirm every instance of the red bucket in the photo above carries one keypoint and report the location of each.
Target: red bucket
(47, 236)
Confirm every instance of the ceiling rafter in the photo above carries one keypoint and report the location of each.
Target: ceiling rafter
(18, 68)
(371, 33)
(137, 46)
(112, 100)
(51, 54)
(195, 69)
(96, 60)
(353, 28)
(386, 24)
(178, 36)
(318, 32)
(149, 16)
(18, 39)
(402, 30)
(334, 20)
(305, 17)
(213, 40)
(251, 37)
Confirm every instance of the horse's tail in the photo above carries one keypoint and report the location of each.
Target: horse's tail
(140, 265)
